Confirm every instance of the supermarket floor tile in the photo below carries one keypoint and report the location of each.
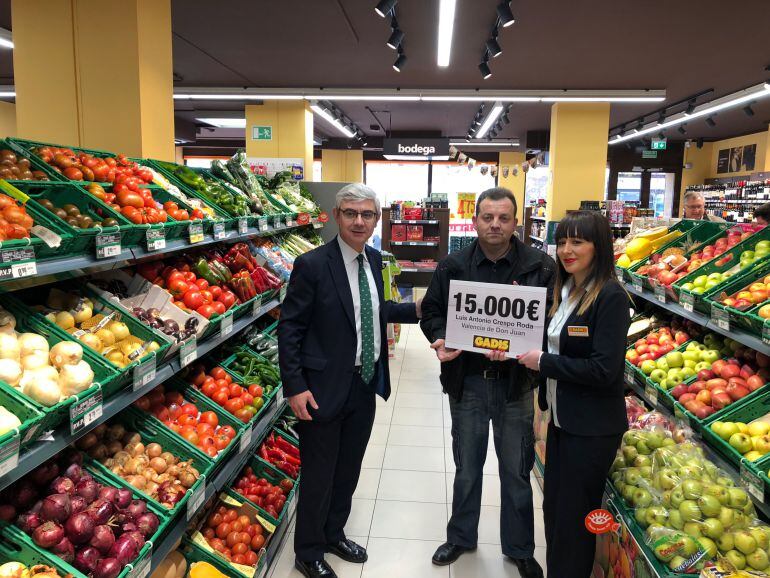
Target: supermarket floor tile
(360, 520)
(397, 485)
(417, 416)
(412, 435)
(409, 520)
(414, 458)
(390, 557)
(368, 483)
(374, 456)
(429, 401)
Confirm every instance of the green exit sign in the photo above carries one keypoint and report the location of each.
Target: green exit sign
(658, 144)
(261, 133)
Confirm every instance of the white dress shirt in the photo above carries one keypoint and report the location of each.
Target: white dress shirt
(350, 258)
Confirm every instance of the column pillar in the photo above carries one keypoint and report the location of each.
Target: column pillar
(342, 166)
(291, 132)
(514, 183)
(578, 155)
(67, 93)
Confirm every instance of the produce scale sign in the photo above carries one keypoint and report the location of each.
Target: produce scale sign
(492, 316)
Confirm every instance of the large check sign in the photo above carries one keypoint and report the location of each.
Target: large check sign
(485, 316)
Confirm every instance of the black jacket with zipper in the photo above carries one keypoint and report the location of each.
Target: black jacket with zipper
(532, 268)
(589, 366)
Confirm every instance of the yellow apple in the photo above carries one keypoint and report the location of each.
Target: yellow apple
(759, 428)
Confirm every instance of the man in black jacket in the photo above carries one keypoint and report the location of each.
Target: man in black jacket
(484, 387)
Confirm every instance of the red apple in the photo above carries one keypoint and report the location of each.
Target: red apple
(642, 349)
(696, 387)
(729, 371)
(682, 337)
(711, 384)
(754, 382)
(679, 390)
(704, 397)
(746, 371)
(737, 392)
(720, 400)
(685, 397)
(762, 360)
(703, 412)
(717, 366)
(703, 374)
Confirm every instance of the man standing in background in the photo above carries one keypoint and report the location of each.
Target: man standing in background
(695, 208)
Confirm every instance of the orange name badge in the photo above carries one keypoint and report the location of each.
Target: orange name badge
(577, 331)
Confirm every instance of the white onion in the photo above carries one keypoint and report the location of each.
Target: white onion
(34, 361)
(32, 342)
(66, 353)
(75, 378)
(44, 391)
(10, 371)
(9, 346)
(8, 421)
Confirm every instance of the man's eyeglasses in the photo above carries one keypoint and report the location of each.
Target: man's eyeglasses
(352, 215)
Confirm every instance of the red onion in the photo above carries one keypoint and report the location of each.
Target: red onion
(24, 494)
(88, 489)
(86, 559)
(62, 485)
(56, 507)
(48, 534)
(137, 537)
(73, 456)
(28, 521)
(78, 504)
(65, 550)
(108, 493)
(128, 527)
(107, 568)
(7, 512)
(124, 498)
(44, 474)
(125, 549)
(80, 528)
(136, 508)
(103, 539)
(74, 472)
(101, 511)
(148, 524)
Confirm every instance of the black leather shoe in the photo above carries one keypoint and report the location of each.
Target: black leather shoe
(315, 569)
(448, 553)
(349, 551)
(528, 567)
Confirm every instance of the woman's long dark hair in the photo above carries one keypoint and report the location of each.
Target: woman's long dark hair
(595, 228)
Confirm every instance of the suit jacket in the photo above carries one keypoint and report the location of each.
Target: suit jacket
(317, 335)
(589, 367)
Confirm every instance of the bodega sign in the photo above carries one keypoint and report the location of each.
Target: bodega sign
(416, 148)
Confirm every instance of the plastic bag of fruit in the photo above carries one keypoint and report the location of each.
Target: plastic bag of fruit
(680, 552)
(632, 468)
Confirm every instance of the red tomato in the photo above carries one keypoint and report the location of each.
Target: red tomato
(185, 419)
(209, 389)
(189, 276)
(207, 296)
(221, 441)
(205, 310)
(235, 390)
(119, 188)
(192, 437)
(219, 307)
(130, 199)
(190, 409)
(216, 292)
(247, 398)
(228, 431)
(233, 405)
(202, 284)
(218, 373)
(255, 390)
(210, 418)
(243, 415)
(174, 397)
(228, 298)
(220, 398)
(178, 287)
(142, 403)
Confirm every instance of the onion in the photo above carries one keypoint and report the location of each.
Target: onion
(158, 464)
(124, 498)
(66, 353)
(74, 472)
(56, 507)
(169, 458)
(31, 343)
(24, 494)
(10, 371)
(154, 450)
(87, 441)
(148, 524)
(9, 346)
(62, 485)
(131, 438)
(107, 568)
(74, 378)
(72, 456)
(33, 361)
(80, 528)
(125, 549)
(65, 550)
(87, 559)
(137, 537)
(29, 522)
(7, 321)
(7, 512)
(108, 493)
(128, 527)
(44, 391)
(114, 447)
(44, 474)
(78, 504)
(115, 432)
(35, 509)
(48, 534)
(98, 452)
(100, 511)
(136, 508)
(103, 539)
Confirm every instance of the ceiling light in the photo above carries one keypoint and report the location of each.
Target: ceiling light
(323, 113)
(504, 14)
(373, 97)
(506, 118)
(244, 96)
(496, 111)
(598, 99)
(400, 61)
(690, 108)
(484, 69)
(710, 121)
(446, 23)
(6, 38)
(384, 7)
(682, 129)
(395, 39)
(748, 110)
(224, 122)
(493, 47)
(510, 143)
(7, 94)
(733, 100)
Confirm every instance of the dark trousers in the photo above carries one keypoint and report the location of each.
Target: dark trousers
(331, 454)
(484, 400)
(576, 469)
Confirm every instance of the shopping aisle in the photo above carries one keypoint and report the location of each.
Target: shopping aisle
(403, 499)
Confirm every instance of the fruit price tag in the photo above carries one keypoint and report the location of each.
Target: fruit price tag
(17, 263)
(282, 293)
(47, 235)
(141, 568)
(196, 499)
(219, 231)
(243, 225)
(752, 482)
(9, 455)
(629, 374)
(86, 411)
(766, 332)
(720, 317)
(256, 308)
(637, 284)
(156, 239)
(687, 301)
(196, 232)
(188, 351)
(245, 439)
(619, 273)
(660, 293)
(290, 222)
(652, 395)
(226, 325)
(263, 226)
(144, 373)
(108, 246)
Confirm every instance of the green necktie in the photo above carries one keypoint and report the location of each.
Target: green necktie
(367, 324)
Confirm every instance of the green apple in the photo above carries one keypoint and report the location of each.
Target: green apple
(686, 373)
(631, 437)
(666, 479)
(718, 492)
(687, 286)
(691, 355)
(727, 517)
(676, 563)
(689, 510)
(763, 244)
(674, 377)
(674, 359)
(702, 365)
(715, 277)
(664, 384)
(656, 515)
(695, 346)
(646, 472)
(711, 284)
(691, 363)
(692, 529)
(648, 366)
(741, 442)
(725, 429)
(745, 542)
(738, 498)
(692, 489)
(689, 546)
(758, 560)
(761, 537)
(736, 559)
(658, 375)
(709, 546)
(642, 461)
(712, 528)
(668, 442)
(675, 519)
(628, 493)
(632, 476)
(726, 542)
(698, 290)
(629, 454)
(710, 355)
(747, 255)
(709, 505)
(662, 363)
(741, 521)
(643, 448)
(677, 497)
(726, 482)
(655, 439)
(699, 281)
(640, 515)
(641, 498)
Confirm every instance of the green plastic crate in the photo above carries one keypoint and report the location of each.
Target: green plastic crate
(163, 196)
(25, 147)
(228, 365)
(14, 550)
(135, 421)
(272, 475)
(31, 418)
(748, 319)
(36, 163)
(195, 553)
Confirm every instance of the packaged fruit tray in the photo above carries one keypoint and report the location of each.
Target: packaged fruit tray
(277, 483)
(79, 213)
(743, 297)
(684, 245)
(30, 417)
(700, 285)
(132, 420)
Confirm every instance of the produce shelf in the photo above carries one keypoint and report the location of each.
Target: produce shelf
(41, 451)
(416, 243)
(737, 334)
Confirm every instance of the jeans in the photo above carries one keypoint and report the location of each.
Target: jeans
(482, 401)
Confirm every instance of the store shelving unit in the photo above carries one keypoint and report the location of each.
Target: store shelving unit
(417, 250)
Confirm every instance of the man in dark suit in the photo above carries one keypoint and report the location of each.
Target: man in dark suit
(334, 359)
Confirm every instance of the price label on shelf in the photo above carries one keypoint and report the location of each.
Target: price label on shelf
(226, 325)
(629, 374)
(9, 455)
(256, 308)
(687, 301)
(303, 218)
(660, 293)
(637, 284)
(47, 235)
(141, 568)
(156, 239)
(282, 293)
(219, 231)
(197, 498)
(144, 373)
(619, 273)
(290, 222)
(196, 232)
(652, 395)
(243, 225)
(17, 263)
(245, 439)
(752, 482)
(188, 351)
(766, 332)
(262, 223)
(720, 317)
(86, 411)
(108, 246)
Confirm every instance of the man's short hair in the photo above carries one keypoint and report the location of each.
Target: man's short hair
(355, 192)
(497, 194)
(763, 211)
(691, 195)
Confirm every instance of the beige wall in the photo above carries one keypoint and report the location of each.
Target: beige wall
(514, 183)
(342, 166)
(7, 119)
